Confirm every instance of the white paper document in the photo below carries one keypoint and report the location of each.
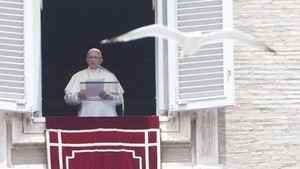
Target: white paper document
(94, 87)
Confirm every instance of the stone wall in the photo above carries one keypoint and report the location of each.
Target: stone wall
(262, 129)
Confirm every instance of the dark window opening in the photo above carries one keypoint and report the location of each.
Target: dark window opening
(71, 27)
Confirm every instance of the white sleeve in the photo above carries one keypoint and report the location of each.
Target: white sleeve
(118, 98)
(72, 98)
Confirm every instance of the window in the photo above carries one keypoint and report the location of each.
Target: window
(70, 28)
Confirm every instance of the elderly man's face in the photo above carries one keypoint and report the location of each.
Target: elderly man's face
(94, 59)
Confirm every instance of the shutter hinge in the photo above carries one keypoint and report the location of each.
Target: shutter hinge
(229, 73)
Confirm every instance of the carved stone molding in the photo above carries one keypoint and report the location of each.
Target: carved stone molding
(26, 131)
(177, 129)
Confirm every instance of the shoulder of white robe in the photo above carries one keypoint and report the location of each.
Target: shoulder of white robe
(73, 80)
(115, 78)
(102, 68)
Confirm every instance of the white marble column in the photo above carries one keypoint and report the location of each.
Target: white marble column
(3, 140)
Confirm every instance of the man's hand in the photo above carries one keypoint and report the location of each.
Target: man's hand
(81, 94)
(104, 95)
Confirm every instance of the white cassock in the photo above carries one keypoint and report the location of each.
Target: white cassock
(94, 107)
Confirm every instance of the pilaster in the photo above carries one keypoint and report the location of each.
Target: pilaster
(3, 140)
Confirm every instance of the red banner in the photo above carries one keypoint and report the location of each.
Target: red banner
(134, 146)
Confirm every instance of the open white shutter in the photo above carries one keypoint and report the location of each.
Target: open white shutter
(17, 86)
(205, 79)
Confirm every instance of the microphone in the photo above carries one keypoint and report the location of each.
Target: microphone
(123, 107)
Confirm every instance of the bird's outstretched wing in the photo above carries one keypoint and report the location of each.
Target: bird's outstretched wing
(239, 36)
(154, 30)
(190, 41)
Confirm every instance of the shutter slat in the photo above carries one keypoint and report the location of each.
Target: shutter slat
(13, 29)
(11, 60)
(10, 96)
(201, 28)
(201, 88)
(198, 96)
(13, 11)
(4, 46)
(11, 4)
(12, 77)
(11, 17)
(198, 59)
(199, 3)
(11, 83)
(11, 35)
(13, 89)
(10, 65)
(210, 15)
(14, 59)
(191, 65)
(197, 71)
(195, 10)
(199, 22)
(11, 53)
(200, 82)
(202, 76)
(12, 1)
(18, 72)
(10, 22)
(11, 41)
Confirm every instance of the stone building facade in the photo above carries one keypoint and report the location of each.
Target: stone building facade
(262, 129)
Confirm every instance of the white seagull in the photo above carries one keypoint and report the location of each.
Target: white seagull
(190, 41)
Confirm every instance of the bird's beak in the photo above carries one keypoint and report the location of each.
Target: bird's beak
(272, 50)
